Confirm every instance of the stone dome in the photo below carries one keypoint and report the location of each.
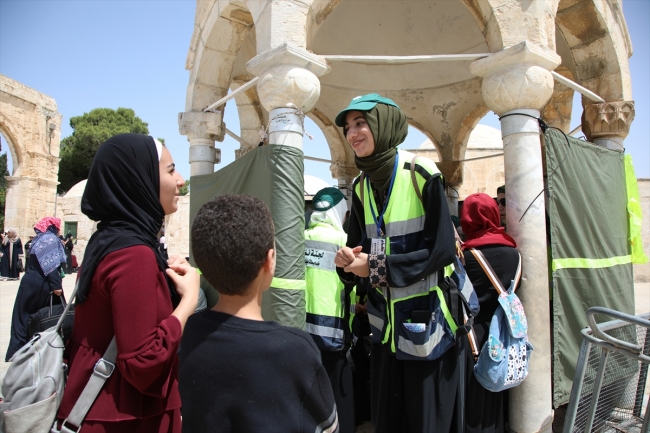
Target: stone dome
(77, 190)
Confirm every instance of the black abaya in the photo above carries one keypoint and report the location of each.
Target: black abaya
(33, 294)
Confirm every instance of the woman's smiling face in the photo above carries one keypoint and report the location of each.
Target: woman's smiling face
(170, 183)
(358, 134)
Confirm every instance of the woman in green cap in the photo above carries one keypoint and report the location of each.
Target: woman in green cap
(399, 249)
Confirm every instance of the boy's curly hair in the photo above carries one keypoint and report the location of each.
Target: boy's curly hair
(231, 236)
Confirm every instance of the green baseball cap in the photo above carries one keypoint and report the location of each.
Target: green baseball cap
(363, 103)
(327, 198)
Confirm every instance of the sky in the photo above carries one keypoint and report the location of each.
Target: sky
(88, 54)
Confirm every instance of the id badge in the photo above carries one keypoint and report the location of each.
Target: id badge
(378, 246)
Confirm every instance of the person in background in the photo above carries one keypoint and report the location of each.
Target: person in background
(328, 300)
(501, 201)
(68, 245)
(28, 247)
(127, 290)
(12, 251)
(485, 410)
(42, 278)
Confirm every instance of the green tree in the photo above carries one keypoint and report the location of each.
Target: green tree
(89, 132)
(3, 187)
(186, 188)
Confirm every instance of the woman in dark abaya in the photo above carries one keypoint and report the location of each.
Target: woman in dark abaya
(486, 411)
(41, 279)
(12, 251)
(127, 290)
(407, 395)
(68, 246)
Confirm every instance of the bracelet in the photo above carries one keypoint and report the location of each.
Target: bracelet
(378, 274)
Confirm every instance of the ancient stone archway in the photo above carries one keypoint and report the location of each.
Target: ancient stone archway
(32, 127)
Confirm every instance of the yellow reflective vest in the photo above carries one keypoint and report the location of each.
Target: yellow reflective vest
(325, 297)
(393, 311)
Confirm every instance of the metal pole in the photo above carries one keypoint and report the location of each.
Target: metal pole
(598, 384)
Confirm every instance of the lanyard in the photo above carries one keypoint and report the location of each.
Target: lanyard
(378, 221)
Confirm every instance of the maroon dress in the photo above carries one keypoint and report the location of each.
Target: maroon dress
(129, 298)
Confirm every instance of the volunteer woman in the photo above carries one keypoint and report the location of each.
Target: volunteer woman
(399, 246)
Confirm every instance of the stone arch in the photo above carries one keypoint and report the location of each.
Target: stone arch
(599, 42)
(467, 125)
(507, 23)
(340, 152)
(10, 134)
(219, 31)
(250, 112)
(31, 124)
(318, 12)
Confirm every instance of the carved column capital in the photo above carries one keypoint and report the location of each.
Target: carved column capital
(288, 74)
(342, 172)
(199, 124)
(607, 120)
(517, 77)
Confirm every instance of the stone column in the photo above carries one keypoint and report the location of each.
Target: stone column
(288, 87)
(516, 85)
(202, 129)
(607, 124)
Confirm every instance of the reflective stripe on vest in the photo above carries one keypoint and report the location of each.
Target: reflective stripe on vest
(325, 294)
(320, 254)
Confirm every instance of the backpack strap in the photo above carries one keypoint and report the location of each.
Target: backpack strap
(459, 242)
(103, 370)
(493, 275)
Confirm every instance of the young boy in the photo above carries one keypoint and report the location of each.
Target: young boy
(239, 373)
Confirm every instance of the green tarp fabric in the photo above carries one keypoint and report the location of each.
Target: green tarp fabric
(274, 174)
(591, 262)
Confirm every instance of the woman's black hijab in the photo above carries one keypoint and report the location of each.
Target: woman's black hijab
(123, 194)
(389, 129)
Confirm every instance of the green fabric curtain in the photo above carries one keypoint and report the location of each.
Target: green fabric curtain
(274, 174)
(591, 261)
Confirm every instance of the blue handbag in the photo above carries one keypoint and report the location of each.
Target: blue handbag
(503, 360)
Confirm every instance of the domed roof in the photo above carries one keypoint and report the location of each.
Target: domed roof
(482, 137)
(314, 184)
(77, 190)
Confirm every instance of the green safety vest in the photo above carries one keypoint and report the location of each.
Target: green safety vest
(326, 299)
(404, 218)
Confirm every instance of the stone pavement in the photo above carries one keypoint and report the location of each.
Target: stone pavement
(8, 291)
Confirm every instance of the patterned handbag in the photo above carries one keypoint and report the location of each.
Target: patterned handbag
(503, 360)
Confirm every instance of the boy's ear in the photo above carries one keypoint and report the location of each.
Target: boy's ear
(269, 264)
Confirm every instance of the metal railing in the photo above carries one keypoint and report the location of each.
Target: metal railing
(611, 377)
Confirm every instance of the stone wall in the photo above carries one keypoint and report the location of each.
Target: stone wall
(177, 229)
(483, 175)
(69, 210)
(31, 125)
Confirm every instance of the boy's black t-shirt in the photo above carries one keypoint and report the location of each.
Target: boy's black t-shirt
(239, 375)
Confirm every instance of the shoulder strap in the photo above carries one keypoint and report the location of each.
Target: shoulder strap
(413, 179)
(102, 371)
(361, 183)
(490, 272)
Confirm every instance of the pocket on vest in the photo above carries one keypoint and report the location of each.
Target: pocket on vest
(421, 341)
